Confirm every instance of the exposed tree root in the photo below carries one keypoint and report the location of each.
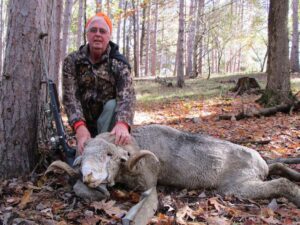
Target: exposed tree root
(286, 108)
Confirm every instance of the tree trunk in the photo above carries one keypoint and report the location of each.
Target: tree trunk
(124, 27)
(119, 22)
(161, 60)
(53, 41)
(19, 93)
(108, 7)
(128, 37)
(278, 82)
(79, 24)
(191, 39)
(180, 70)
(1, 36)
(153, 40)
(66, 27)
(98, 6)
(84, 20)
(143, 32)
(148, 40)
(295, 39)
(136, 39)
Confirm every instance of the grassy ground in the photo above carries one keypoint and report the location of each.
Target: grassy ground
(149, 91)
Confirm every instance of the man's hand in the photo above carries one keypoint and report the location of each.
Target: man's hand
(82, 135)
(122, 134)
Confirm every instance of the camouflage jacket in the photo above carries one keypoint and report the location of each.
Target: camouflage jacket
(87, 87)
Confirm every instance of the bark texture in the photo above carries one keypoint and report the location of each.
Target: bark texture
(295, 39)
(180, 71)
(66, 27)
(79, 24)
(278, 82)
(20, 87)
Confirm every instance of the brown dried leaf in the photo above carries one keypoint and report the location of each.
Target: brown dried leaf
(93, 220)
(57, 206)
(199, 211)
(214, 202)
(217, 221)
(196, 223)
(183, 214)
(62, 223)
(108, 208)
(13, 200)
(72, 215)
(267, 212)
(119, 194)
(134, 197)
(25, 199)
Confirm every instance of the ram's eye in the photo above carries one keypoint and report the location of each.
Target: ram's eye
(109, 154)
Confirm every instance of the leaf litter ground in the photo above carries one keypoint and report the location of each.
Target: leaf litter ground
(50, 200)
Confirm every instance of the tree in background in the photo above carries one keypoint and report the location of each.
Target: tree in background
(54, 40)
(180, 65)
(98, 6)
(278, 89)
(80, 24)
(136, 37)
(190, 38)
(153, 37)
(19, 92)
(294, 60)
(66, 27)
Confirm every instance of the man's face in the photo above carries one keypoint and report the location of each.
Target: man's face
(98, 36)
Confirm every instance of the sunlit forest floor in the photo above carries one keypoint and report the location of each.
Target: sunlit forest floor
(195, 108)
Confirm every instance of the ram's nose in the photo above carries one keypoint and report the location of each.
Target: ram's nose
(92, 180)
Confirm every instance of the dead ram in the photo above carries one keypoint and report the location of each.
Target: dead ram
(184, 160)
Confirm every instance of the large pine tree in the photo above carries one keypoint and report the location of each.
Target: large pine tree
(20, 87)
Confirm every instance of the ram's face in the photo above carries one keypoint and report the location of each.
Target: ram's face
(101, 163)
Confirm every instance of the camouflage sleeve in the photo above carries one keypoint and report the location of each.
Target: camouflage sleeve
(72, 104)
(125, 93)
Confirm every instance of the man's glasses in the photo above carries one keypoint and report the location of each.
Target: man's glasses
(95, 29)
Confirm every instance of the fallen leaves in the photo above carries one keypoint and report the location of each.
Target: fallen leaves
(25, 199)
(109, 208)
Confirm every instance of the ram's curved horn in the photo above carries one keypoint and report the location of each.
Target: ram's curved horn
(138, 156)
(58, 164)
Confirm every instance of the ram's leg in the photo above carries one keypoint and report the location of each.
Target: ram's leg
(86, 193)
(257, 189)
(142, 212)
(284, 171)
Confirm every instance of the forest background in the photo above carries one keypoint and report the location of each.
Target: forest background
(186, 55)
(219, 36)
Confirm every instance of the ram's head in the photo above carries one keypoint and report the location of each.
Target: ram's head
(102, 160)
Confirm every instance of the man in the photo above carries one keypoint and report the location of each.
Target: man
(98, 92)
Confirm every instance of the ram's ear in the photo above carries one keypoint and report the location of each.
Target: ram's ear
(77, 161)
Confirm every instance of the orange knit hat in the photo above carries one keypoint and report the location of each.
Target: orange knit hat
(100, 14)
